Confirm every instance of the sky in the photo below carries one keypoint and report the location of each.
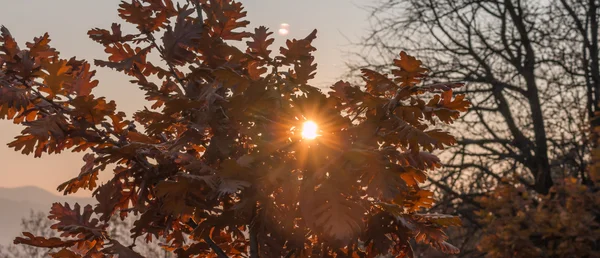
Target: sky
(339, 22)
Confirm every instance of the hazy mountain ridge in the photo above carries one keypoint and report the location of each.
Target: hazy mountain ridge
(17, 203)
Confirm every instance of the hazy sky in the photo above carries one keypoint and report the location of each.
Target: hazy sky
(67, 22)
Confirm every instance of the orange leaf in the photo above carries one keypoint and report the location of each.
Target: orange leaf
(65, 253)
(40, 49)
(123, 57)
(411, 71)
(58, 74)
(53, 242)
(82, 83)
(105, 37)
(260, 43)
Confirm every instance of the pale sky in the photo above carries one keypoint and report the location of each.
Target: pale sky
(67, 22)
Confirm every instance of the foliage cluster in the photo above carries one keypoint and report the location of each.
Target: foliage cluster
(518, 222)
(522, 223)
(39, 224)
(220, 168)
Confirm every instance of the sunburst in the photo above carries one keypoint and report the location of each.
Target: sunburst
(310, 130)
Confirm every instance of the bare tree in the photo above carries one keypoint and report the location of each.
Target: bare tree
(37, 223)
(532, 74)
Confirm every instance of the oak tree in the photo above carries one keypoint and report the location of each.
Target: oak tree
(218, 165)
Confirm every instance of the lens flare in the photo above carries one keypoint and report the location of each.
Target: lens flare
(284, 29)
(309, 130)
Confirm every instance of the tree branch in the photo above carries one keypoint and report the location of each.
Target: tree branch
(220, 253)
(253, 235)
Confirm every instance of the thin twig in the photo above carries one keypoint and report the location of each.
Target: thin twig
(288, 255)
(220, 253)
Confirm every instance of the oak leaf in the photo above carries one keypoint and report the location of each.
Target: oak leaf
(224, 16)
(329, 212)
(82, 83)
(106, 37)
(259, 46)
(297, 50)
(9, 45)
(73, 223)
(123, 57)
(53, 242)
(87, 177)
(178, 40)
(116, 248)
(39, 48)
(411, 70)
(378, 84)
(65, 253)
(58, 74)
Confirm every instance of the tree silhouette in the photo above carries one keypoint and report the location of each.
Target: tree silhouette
(221, 168)
(531, 70)
(38, 224)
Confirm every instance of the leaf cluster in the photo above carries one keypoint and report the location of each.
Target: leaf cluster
(220, 168)
(521, 223)
(518, 222)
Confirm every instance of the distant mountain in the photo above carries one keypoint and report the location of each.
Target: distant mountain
(16, 203)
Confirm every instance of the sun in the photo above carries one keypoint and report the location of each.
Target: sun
(309, 130)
